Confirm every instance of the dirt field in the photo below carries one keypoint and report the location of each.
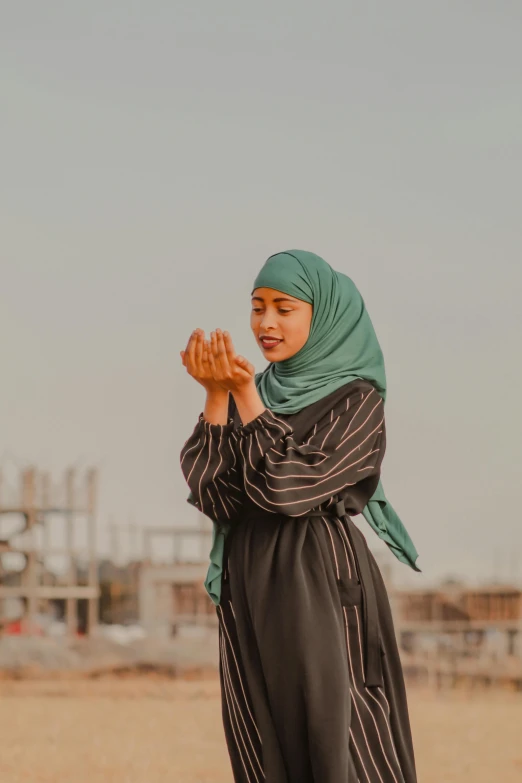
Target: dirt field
(147, 731)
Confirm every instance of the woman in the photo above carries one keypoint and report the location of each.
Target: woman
(312, 686)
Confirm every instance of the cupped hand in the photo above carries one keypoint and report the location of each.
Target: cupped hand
(195, 359)
(231, 371)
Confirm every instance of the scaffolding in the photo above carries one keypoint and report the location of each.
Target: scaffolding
(37, 504)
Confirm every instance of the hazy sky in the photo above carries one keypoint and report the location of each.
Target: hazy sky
(153, 154)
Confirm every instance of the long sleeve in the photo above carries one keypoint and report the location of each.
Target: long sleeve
(341, 450)
(209, 464)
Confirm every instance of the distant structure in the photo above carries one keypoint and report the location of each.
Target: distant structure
(455, 631)
(156, 579)
(30, 511)
(172, 594)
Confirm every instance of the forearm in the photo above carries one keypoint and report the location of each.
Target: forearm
(216, 407)
(248, 403)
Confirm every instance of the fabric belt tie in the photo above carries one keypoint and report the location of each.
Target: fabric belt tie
(373, 658)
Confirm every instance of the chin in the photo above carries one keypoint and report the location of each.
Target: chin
(272, 357)
(275, 359)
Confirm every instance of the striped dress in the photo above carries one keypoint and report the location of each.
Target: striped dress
(312, 686)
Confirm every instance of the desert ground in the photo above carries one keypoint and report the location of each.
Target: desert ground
(161, 731)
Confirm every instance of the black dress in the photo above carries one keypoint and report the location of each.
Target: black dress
(312, 685)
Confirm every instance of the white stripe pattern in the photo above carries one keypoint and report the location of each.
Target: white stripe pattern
(283, 471)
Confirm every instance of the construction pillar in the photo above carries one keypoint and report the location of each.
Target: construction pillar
(71, 604)
(93, 610)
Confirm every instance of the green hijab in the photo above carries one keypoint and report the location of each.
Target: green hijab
(342, 346)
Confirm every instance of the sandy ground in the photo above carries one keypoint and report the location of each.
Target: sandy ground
(152, 731)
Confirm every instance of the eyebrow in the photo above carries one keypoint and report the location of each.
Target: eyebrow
(279, 299)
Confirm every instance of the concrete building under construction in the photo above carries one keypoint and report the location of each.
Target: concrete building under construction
(458, 632)
(452, 630)
(29, 515)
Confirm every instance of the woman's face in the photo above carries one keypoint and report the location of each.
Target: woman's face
(281, 323)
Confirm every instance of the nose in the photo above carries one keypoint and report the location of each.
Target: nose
(268, 321)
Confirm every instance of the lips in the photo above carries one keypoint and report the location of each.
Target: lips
(269, 342)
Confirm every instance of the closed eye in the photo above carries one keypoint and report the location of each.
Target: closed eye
(279, 310)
